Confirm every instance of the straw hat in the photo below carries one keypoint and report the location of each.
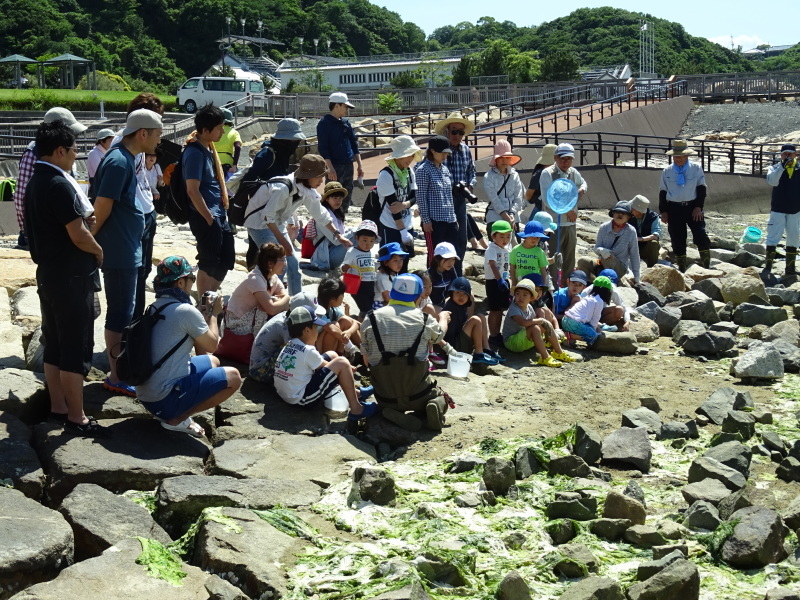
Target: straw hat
(333, 187)
(469, 126)
(680, 148)
(548, 156)
(403, 146)
(503, 149)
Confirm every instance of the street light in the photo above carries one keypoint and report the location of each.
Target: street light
(243, 42)
(316, 43)
(300, 39)
(329, 47)
(260, 24)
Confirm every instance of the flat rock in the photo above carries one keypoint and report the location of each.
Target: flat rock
(253, 550)
(738, 287)
(641, 417)
(322, 460)
(620, 506)
(609, 529)
(674, 430)
(413, 591)
(25, 308)
(743, 258)
(782, 594)
(577, 561)
(761, 361)
(100, 519)
(712, 491)
(22, 394)
(757, 539)
(705, 467)
(570, 466)
(727, 326)
(12, 354)
(616, 342)
(578, 509)
(18, 459)
(733, 454)
(594, 588)
(36, 542)
(698, 273)
(121, 462)
(662, 551)
(748, 315)
(665, 279)
(679, 580)
(16, 273)
(180, 500)
(629, 446)
(645, 536)
(115, 576)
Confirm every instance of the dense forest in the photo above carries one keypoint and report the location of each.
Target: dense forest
(154, 44)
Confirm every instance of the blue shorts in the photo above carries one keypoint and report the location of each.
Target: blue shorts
(199, 385)
(323, 383)
(120, 297)
(586, 331)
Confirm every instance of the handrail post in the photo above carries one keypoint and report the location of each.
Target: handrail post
(636, 151)
(600, 148)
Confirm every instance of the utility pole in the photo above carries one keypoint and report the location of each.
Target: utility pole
(260, 24)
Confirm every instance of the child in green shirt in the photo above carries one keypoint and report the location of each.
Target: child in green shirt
(527, 257)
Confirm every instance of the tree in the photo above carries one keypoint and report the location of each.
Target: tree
(560, 66)
(407, 79)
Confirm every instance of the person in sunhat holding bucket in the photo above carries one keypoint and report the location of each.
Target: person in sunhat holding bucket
(681, 197)
(503, 187)
(462, 168)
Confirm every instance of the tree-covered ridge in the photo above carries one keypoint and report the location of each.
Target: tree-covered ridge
(156, 43)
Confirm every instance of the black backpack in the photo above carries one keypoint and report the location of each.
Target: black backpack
(176, 203)
(373, 207)
(238, 211)
(135, 359)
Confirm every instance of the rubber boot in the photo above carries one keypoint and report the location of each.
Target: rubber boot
(771, 252)
(791, 258)
(705, 258)
(435, 410)
(682, 262)
(402, 419)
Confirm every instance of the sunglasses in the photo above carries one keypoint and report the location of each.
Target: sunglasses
(459, 132)
(192, 276)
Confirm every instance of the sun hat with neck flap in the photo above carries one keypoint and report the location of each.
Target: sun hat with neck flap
(502, 149)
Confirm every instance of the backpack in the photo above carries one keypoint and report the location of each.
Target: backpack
(373, 207)
(176, 203)
(135, 359)
(238, 208)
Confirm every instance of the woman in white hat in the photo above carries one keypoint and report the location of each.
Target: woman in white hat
(503, 186)
(397, 190)
(534, 193)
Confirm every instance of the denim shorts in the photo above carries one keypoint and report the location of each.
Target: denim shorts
(120, 297)
(199, 385)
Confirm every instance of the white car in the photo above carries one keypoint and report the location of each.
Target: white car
(199, 91)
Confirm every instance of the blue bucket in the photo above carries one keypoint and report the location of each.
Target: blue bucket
(752, 235)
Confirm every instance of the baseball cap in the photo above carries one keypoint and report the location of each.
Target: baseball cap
(461, 284)
(543, 217)
(309, 301)
(141, 119)
(340, 98)
(788, 148)
(62, 114)
(367, 226)
(445, 250)
(303, 316)
(389, 250)
(611, 274)
(579, 276)
(171, 269)
(501, 226)
(103, 134)
(534, 229)
(526, 284)
(227, 115)
(603, 282)
(565, 150)
(536, 278)
(439, 143)
(406, 288)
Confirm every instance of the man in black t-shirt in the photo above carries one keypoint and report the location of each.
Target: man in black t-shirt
(67, 258)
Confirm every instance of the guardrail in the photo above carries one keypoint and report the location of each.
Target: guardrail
(739, 86)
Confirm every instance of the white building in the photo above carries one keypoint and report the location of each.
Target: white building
(368, 72)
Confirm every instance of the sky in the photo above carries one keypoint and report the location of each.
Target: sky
(718, 21)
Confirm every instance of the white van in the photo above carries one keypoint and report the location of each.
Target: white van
(199, 91)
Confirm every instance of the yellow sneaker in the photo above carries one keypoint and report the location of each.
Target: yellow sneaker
(548, 362)
(563, 357)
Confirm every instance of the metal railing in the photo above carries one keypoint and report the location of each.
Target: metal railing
(739, 86)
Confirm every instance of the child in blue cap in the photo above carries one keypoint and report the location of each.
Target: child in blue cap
(390, 264)
(467, 332)
(528, 256)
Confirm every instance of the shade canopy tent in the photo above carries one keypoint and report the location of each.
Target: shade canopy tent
(67, 64)
(17, 60)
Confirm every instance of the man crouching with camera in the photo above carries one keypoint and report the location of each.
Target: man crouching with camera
(183, 385)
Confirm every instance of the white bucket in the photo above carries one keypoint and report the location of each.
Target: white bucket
(458, 365)
(337, 402)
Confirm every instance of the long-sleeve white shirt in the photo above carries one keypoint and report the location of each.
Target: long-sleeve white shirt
(274, 203)
(588, 310)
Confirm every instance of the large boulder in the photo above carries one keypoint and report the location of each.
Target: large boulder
(594, 588)
(35, 542)
(644, 329)
(16, 271)
(665, 279)
(787, 330)
(757, 539)
(738, 287)
(743, 258)
(180, 500)
(648, 293)
(629, 446)
(704, 467)
(686, 329)
(667, 318)
(620, 506)
(680, 580)
(18, 459)
(748, 315)
(250, 548)
(711, 288)
(616, 342)
(717, 406)
(761, 361)
(700, 310)
(709, 490)
(698, 273)
(732, 454)
(100, 519)
(648, 310)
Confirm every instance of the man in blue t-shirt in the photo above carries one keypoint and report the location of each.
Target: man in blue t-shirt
(207, 217)
(119, 230)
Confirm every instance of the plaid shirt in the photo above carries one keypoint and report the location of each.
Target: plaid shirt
(460, 164)
(25, 173)
(434, 193)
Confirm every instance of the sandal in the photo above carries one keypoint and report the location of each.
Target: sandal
(188, 425)
(92, 429)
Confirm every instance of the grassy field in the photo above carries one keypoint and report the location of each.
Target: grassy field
(77, 100)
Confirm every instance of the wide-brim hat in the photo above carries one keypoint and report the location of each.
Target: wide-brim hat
(404, 145)
(311, 165)
(333, 187)
(502, 149)
(469, 126)
(548, 156)
(289, 129)
(533, 229)
(526, 284)
(680, 148)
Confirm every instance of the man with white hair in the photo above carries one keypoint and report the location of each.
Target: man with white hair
(563, 169)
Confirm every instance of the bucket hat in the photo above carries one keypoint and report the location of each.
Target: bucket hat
(640, 203)
(621, 206)
(311, 165)
(545, 219)
(289, 129)
(503, 149)
(389, 250)
(333, 187)
(548, 156)
(533, 229)
(367, 226)
(404, 145)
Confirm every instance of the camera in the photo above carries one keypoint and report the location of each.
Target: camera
(208, 298)
(462, 189)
